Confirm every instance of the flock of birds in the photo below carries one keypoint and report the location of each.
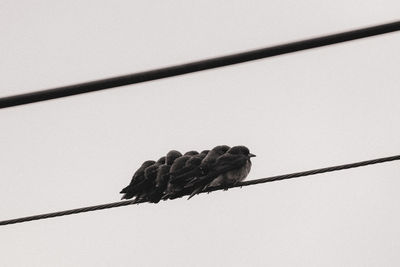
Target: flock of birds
(176, 175)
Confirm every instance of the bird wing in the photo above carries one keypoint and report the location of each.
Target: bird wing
(224, 163)
(137, 177)
(229, 162)
(190, 170)
(179, 163)
(162, 175)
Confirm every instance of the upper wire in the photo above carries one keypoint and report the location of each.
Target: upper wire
(206, 64)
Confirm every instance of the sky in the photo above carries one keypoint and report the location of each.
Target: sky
(300, 111)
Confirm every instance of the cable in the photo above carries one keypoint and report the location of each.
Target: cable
(245, 183)
(206, 64)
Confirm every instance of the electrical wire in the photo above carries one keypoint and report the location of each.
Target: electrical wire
(245, 183)
(206, 64)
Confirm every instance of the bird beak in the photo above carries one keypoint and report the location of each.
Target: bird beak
(251, 155)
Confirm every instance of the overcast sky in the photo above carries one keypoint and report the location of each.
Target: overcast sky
(311, 109)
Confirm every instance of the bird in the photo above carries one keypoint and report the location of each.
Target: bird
(142, 188)
(179, 165)
(138, 176)
(177, 183)
(211, 158)
(207, 162)
(194, 162)
(229, 169)
(161, 180)
(160, 184)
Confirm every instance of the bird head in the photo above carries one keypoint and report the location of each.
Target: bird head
(172, 156)
(161, 160)
(241, 150)
(147, 163)
(191, 153)
(204, 152)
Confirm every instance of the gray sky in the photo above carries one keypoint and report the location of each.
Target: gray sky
(306, 110)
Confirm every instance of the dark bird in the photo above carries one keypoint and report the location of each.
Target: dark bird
(177, 167)
(172, 156)
(207, 162)
(162, 178)
(229, 169)
(160, 184)
(178, 180)
(194, 162)
(211, 158)
(144, 187)
(138, 176)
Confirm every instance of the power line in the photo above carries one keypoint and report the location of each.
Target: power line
(245, 183)
(206, 64)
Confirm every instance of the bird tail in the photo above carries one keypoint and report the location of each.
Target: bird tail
(128, 193)
(196, 191)
(127, 196)
(192, 182)
(126, 189)
(123, 191)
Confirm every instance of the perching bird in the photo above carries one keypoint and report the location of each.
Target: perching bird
(150, 173)
(171, 157)
(177, 167)
(138, 176)
(190, 165)
(229, 169)
(162, 178)
(177, 180)
(211, 158)
(160, 184)
(207, 163)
